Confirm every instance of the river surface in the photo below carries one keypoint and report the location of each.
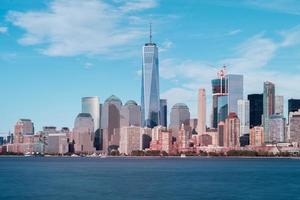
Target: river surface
(48, 178)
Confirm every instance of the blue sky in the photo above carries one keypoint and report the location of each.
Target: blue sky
(52, 53)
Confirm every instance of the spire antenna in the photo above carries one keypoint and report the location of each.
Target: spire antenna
(150, 33)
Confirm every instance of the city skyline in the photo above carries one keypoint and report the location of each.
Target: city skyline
(45, 82)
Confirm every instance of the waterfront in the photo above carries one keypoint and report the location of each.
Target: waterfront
(148, 178)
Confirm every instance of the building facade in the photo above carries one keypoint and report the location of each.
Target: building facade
(256, 109)
(180, 114)
(279, 105)
(244, 116)
(277, 128)
(163, 113)
(201, 128)
(150, 99)
(130, 139)
(268, 108)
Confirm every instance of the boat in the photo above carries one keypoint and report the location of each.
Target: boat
(74, 155)
(28, 154)
(183, 156)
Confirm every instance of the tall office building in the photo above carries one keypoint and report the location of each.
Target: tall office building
(163, 112)
(91, 105)
(276, 128)
(83, 133)
(218, 91)
(232, 131)
(243, 115)
(293, 105)
(294, 127)
(24, 127)
(150, 99)
(235, 91)
(130, 114)
(180, 114)
(256, 109)
(201, 128)
(110, 122)
(268, 108)
(279, 105)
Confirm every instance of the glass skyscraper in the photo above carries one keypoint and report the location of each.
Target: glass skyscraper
(256, 109)
(269, 108)
(235, 91)
(150, 99)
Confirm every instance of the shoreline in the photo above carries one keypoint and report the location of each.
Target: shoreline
(155, 157)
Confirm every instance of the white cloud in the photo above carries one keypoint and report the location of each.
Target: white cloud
(283, 6)
(290, 37)
(254, 53)
(166, 45)
(3, 29)
(138, 5)
(88, 65)
(69, 28)
(234, 32)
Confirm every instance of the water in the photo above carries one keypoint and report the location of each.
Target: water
(139, 179)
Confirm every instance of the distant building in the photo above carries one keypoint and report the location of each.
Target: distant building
(294, 127)
(232, 131)
(83, 133)
(161, 140)
(235, 91)
(277, 128)
(279, 105)
(180, 114)
(130, 139)
(293, 105)
(24, 127)
(146, 134)
(201, 111)
(150, 99)
(269, 108)
(163, 113)
(183, 139)
(257, 136)
(194, 125)
(110, 122)
(243, 115)
(57, 143)
(130, 114)
(221, 134)
(256, 109)
(218, 90)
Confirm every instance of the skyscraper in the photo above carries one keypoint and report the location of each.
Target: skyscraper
(91, 105)
(256, 109)
(110, 121)
(130, 114)
(276, 128)
(163, 112)
(269, 108)
(218, 90)
(150, 99)
(293, 105)
(294, 127)
(83, 133)
(243, 115)
(232, 131)
(234, 90)
(201, 128)
(179, 115)
(279, 105)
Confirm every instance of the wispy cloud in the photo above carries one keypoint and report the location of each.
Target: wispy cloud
(69, 28)
(283, 6)
(234, 32)
(3, 29)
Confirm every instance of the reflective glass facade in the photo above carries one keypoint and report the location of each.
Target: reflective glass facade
(269, 108)
(150, 99)
(235, 90)
(222, 108)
